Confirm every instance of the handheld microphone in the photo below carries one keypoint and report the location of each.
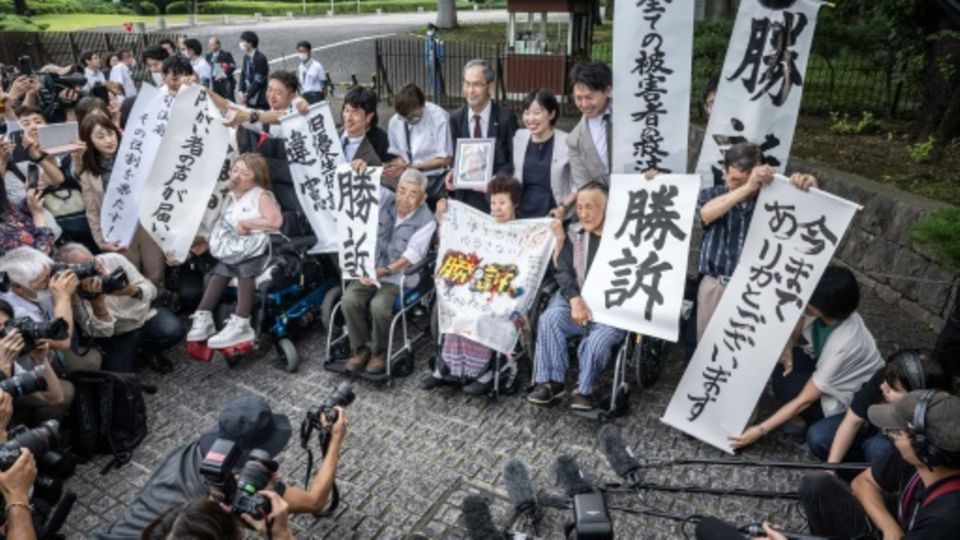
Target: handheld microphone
(476, 516)
(620, 457)
(520, 489)
(570, 477)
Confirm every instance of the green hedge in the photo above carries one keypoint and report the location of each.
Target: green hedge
(52, 7)
(14, 23)
(148, 8)
(242, 7)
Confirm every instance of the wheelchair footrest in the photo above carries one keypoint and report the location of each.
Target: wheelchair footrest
(239, 349)
(198, 350)
(336, 366)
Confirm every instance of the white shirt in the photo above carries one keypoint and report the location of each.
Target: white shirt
(203, 70)
(120, 74)
(848, 359)
(93, 76)
(484, 120)
(430, 138)
(311, 76)
(598, 131)
(350, 149)
(417, 246)
(273, 130)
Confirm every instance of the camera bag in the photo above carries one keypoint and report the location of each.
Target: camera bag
(109, 415)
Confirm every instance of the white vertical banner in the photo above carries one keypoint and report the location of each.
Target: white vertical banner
(637, 279)
(488, 274)
(120, 213)
(758, 98)
(314, 151)
(358, 219)
(220, 189)
(179, 186)
(790, 242)
(652, 64)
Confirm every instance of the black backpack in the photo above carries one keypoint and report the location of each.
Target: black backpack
(109, 415)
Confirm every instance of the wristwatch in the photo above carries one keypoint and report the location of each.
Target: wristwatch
(43, 155)
(254, 117)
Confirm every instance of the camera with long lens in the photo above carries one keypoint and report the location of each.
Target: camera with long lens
(83, 270)
(341, 397)
(32, 331)
(240, 493)
(25, 383)
(116, 280)
(50, 505)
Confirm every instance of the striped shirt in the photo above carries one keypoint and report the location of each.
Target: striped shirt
(724, 238)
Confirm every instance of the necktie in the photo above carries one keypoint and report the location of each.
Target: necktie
(477, 130)
(608, 127)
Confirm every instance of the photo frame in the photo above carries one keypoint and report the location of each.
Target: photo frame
(474, 165)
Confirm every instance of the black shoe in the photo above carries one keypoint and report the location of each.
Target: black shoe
(546, 393)
(160, 363)
(430, 382)
(477, 388)
(580, 402)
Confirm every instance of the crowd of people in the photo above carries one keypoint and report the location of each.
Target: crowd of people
(836, 389)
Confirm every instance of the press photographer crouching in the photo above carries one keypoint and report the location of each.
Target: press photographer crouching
(113, 306)
(233, 465)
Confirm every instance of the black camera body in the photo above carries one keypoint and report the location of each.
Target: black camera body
(25, 383)
(32, 331)
(116, 280)
(239, 493)
(341, 397)
(82, 270)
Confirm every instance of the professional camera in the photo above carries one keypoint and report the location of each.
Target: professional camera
(241, 494)
(39, 440)
(116, 280)
(341, 397)
(32, 331)
(82, 270)
(25, 383)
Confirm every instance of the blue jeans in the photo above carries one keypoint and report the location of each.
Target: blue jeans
(865, 448)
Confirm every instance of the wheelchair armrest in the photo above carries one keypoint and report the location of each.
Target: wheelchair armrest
(416, 268)
(297, 244)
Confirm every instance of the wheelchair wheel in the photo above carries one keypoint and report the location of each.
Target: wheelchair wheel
(288, 355)
(326, 307)
(403, 366)
(648, 360)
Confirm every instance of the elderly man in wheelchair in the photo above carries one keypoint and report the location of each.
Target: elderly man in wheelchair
(568, 315)
(406, 228)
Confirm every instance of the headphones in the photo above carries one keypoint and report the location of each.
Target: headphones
(912, 362)
(926, 452)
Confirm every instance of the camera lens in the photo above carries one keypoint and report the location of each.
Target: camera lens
(256, 472)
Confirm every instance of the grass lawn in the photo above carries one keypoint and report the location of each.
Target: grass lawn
(79, 21)
(486, 32)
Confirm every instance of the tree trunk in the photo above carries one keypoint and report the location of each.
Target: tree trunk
(20, 7)
(446, 14)
(135, 6)
(608, 15)
(939, 113)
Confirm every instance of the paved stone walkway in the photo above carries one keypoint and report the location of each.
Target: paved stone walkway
(411, 457)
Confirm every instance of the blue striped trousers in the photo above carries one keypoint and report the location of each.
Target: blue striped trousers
(552, 358)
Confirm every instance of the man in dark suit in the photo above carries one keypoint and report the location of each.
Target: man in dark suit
(481, 118)
(253, 81)
(223, 67)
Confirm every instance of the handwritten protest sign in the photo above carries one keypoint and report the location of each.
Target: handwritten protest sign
(488, 273)
(636, 281)
(146, 125)
(314, 152)
(791, 240)
(652, 56)
(179, 186)
(358, 214)
(761, 84)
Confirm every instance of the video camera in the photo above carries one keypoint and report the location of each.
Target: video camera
(26, 382)
(33, 331)
(109, 284)
(239, 493)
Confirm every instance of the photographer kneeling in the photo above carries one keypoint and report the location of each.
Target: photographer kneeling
(248, 426)
(114, 309)
(51, 403)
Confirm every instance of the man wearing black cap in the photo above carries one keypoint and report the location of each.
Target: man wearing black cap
(250, 424)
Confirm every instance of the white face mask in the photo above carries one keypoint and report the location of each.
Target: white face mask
(243, 46)
(303, 56)
(133, 63)
(430, 32)
(157, 78)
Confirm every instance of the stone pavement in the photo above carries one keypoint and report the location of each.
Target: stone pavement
(410, 457)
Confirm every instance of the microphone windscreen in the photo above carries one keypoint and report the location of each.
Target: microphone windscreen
(618, 455)
(516, 479)
(569, 476)
(476, 516)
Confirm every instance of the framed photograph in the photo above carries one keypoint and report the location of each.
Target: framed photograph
(474, 166)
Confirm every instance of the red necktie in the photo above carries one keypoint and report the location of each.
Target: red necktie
(263, 138)
(477, 130)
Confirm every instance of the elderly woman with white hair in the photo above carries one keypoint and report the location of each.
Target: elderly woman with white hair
(406, 226)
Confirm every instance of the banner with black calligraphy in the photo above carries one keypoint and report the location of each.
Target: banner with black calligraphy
(220, 190)
(758, 98)
(636, 281)
(178, 189)
(314, 152)
(488, 274)
(358, 218)
(652, 58)
(120, 213)
(790, 242)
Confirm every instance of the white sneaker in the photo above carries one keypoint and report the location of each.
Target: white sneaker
(236, 331)
(202, 327)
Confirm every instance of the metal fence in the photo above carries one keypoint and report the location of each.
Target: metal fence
(65, 48)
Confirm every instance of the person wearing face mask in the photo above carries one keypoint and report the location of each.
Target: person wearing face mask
(419, 135)
(93, 166)
(540, 159)
(121, 73)
(310, 74)
(153, 58)
(433, 54)
(253, 79)
(461, 358)
(223, 67)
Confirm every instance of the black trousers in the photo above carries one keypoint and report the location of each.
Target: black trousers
(789, 387)
(828, 503)
(159, 333)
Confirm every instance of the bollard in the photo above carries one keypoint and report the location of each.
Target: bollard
(476, 7)
(225, 19)
(379, 11)
(161, 23)
(420, 9)
(290, 15)
(191, 19)
(258, 17)
(140, 28)
(329, 13)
